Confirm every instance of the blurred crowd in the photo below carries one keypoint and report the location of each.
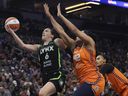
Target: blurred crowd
(20, 70)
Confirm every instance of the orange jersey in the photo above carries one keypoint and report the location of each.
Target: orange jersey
(118, 81)
(85, 66)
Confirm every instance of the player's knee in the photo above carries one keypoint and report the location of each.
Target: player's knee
(42, 93)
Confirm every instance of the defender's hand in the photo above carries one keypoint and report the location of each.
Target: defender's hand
(58, 10)
(46, 9)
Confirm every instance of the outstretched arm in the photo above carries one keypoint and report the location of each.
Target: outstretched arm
(67, 40)
(87, 39)
(29, 47)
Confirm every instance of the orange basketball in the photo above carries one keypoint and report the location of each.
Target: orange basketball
(13, 23)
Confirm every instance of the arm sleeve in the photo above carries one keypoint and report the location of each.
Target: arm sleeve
(106, 69)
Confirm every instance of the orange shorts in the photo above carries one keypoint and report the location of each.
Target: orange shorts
(99, 87)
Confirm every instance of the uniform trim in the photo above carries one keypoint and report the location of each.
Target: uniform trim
(57, 77)
(59, 58)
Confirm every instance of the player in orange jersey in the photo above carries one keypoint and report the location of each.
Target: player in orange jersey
(91, 80)
(115, 78)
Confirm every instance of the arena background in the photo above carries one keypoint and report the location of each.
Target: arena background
(19, 70)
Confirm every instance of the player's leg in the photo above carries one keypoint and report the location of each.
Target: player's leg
(48, 89)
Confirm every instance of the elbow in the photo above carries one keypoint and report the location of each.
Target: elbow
(22, 46)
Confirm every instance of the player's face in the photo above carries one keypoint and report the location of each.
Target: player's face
(46, 34)
(100, 60)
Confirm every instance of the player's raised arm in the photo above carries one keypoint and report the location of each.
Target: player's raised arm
(67, 40)
(87, 39)
(29, 47)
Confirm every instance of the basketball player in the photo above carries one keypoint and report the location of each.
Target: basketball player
(91, 80)
(113, 76)
(50, 60)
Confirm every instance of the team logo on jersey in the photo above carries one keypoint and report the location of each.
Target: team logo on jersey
(46, 49)
(61, 83)
(109, 84)
(47, 63)
(95, 88)
(76, 57)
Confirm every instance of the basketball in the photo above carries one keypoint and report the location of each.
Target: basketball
(13, 23)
